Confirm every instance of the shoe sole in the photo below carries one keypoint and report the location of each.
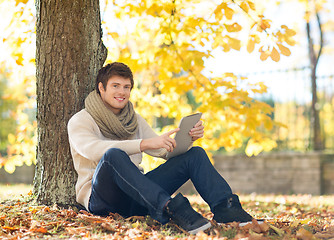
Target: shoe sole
(202, 228)
(245, 223)
(242, 224)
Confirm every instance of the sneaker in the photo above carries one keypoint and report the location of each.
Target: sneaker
(231, 210)
(181, 212)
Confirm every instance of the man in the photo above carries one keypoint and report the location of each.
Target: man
(107, 139)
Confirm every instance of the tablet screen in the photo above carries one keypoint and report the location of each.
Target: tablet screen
(182, 137)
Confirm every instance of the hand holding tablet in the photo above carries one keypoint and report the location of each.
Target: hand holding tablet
(182, 137)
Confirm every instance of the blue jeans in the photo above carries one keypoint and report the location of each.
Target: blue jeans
(119, 187)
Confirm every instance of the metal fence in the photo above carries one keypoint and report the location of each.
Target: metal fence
(289, 91)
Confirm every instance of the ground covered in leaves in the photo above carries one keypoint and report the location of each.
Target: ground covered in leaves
(286, 217)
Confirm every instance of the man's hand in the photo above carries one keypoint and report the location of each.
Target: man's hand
(163, 141)
(197, 131)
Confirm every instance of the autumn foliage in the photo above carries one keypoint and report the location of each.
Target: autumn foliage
(286, 217)
(166, 44)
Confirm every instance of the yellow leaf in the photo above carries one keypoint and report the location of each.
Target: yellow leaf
(154, 10)
(250, 45)
(263, 25)
(21, 1)
(244, 6)
(229, 13)
(284, 50)
(275, 55)
(113, 35)
(305, 221)
(135, 224)
(251, 5)
(235, 27)
(268, 125)
(268, 144)
(266, 23)
(253, 148)
(226, 47)
(290, 41)
(218, 11)
(234, 43)
(289, 32)
(264, 54)
(18, 58)
(10, 167)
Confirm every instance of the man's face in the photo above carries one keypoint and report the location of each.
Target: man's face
(117, 93)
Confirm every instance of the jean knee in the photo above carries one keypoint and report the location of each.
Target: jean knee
(112, 157)
(200, 154)
(114, 154)
(198, 151)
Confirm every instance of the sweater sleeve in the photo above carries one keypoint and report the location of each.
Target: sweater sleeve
(86, 139)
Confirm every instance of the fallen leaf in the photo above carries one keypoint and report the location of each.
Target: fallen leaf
(303, 234)
(10, 228)
(39, 230)
(108, 227)
(255, 226)
(264, 227)
(277, 230)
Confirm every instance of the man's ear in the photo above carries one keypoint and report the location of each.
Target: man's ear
(101, 88)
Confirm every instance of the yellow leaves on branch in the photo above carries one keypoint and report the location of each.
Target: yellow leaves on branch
(275, 39)
(223, 10)
(266, 53)
(246, 5)
(284, 36)
(263, 25)
(254, 147)
(166, 47)
(17, 59)
(20, 1)
(22, 145)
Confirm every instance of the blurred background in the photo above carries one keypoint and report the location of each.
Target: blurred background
(296, 84)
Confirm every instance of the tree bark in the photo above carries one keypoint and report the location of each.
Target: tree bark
(69, 54)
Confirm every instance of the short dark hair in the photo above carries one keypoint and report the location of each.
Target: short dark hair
(110, 70)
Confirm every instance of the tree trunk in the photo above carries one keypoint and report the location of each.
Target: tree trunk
(69, 54)
(314, 59)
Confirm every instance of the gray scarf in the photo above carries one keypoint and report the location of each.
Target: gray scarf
(116, 127)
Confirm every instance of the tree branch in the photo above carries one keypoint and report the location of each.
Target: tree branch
(321, 37)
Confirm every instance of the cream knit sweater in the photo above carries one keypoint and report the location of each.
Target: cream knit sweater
(88, 146)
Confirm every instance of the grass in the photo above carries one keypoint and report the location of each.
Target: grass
(287, 217)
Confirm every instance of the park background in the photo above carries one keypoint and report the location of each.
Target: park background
(287, 160)
(261, 71)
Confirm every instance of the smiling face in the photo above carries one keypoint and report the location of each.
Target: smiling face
(116, 94)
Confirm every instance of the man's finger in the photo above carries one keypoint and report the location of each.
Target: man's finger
(199, 123)
(171, 141)
(169, 145)
(172, 131)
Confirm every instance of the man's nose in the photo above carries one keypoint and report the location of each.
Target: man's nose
(122, 90)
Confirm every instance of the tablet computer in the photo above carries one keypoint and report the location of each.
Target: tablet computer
(182, 137)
